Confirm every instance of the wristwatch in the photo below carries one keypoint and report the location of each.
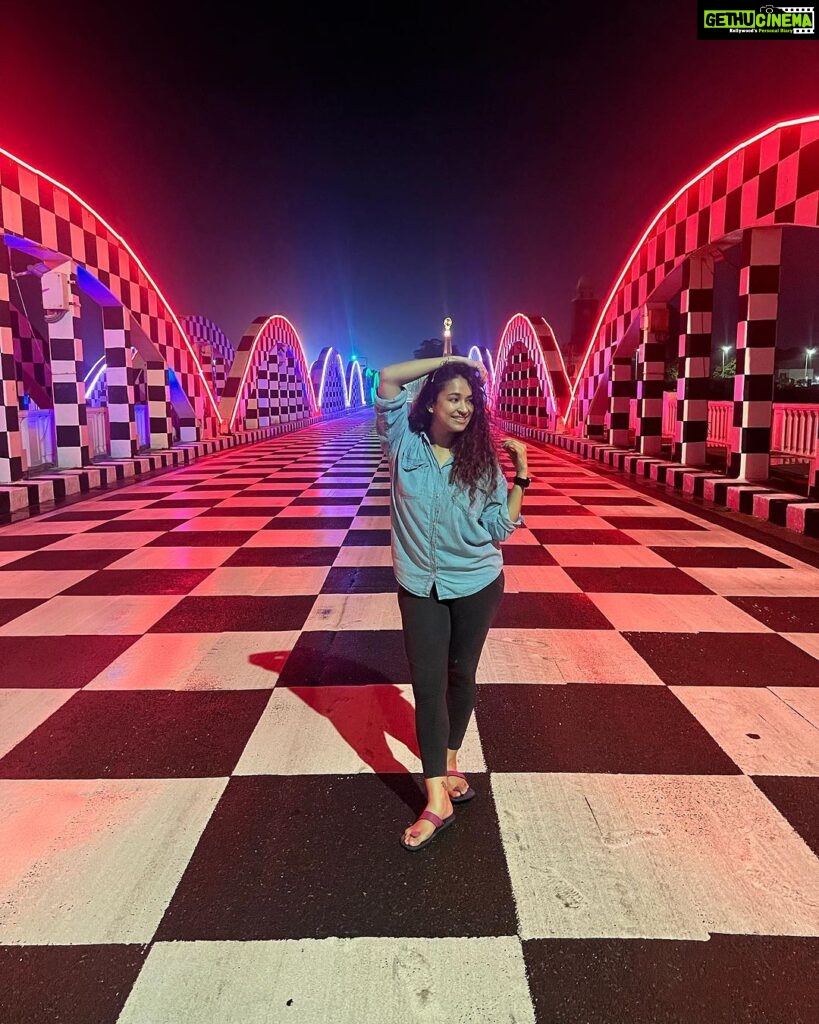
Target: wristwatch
(522, 482)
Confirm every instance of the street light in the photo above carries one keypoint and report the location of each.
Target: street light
(725, 348)
(808, 354)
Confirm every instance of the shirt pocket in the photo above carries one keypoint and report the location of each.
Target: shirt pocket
(412, 477)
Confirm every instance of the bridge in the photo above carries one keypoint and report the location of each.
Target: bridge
(206, 726)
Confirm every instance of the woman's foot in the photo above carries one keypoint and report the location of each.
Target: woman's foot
(456, 784)
(439, 803)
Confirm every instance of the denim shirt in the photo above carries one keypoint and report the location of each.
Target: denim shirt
(439, 536)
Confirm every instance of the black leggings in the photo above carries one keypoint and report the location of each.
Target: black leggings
(443, 641)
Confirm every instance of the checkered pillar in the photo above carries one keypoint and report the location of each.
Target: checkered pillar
(756, 349)
(621, 391)
(188, 428)
(61, 306)
(650, 377)
(694, 380)
(120, 382)
(159, 404)
(11, 441)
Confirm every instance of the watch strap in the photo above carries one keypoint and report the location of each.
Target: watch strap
(522, 481)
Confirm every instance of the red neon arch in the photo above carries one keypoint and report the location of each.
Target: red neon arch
(555, 376)
(267, 323)
(136, 259)
(635, 253)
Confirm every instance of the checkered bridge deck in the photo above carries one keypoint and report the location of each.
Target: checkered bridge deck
(208, 756)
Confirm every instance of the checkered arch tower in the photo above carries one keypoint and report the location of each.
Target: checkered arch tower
(356, 391)
(743, 199)
(529, 387)
(329, 382)
(269, 381)
(215, 351)
(80, 258)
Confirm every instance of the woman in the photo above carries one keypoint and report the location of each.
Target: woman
(450, 508)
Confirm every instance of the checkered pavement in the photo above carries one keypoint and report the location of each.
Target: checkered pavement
(207, 756)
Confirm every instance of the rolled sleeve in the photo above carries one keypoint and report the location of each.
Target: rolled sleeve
(391, 420)
(495, 516)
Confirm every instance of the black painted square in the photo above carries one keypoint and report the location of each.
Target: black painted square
(230, 614)
(273, 863)
(725, 659)
(582, 727)
(139, 734)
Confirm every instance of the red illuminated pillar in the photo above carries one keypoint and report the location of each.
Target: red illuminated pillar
(61, 309)
(756, 348)
(693, 383)
(621, 391)
(11, 441)
(651, 377)
(120, 382)
(159, 404)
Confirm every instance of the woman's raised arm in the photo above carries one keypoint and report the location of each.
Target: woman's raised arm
(391, 378)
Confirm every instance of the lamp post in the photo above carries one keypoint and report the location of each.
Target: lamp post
(725, 349)
(808, 355)
(448, 336)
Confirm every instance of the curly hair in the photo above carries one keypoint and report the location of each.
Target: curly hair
(475, 460)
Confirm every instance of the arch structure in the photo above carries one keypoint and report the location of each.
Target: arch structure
(529, 387)
(356, 389)
(338, 390)
(329, 384)
(214, 349)
(269, 381)
(742, 201)
(48, 232)
(485, 356)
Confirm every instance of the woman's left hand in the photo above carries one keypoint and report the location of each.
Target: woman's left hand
(517, 452)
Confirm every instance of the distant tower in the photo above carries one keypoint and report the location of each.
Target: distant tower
(448, 336)
(585, 308)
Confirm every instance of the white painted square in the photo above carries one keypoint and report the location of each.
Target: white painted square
(561, 656)
(95, 861)
(544, 579)
(39, 582)
(263, 580)
(174, 558)
(346, 981)
(371, 554)
(652, 856)
(760, 732)
(78, 616)
(297, 539)
(675, 613)
(199, 661)
(217, 523)
(343, 730)
(105, 542)
(354, 611)
(606, 555)
(803, 699)
(759, 582)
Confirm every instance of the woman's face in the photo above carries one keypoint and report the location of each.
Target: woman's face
(453, 407)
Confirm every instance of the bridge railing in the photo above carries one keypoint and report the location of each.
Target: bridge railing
(794, 428)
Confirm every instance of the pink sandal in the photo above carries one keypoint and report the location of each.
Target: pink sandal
(468, 795)
(439, 823)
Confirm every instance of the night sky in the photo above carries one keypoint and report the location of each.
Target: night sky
(367, 172)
